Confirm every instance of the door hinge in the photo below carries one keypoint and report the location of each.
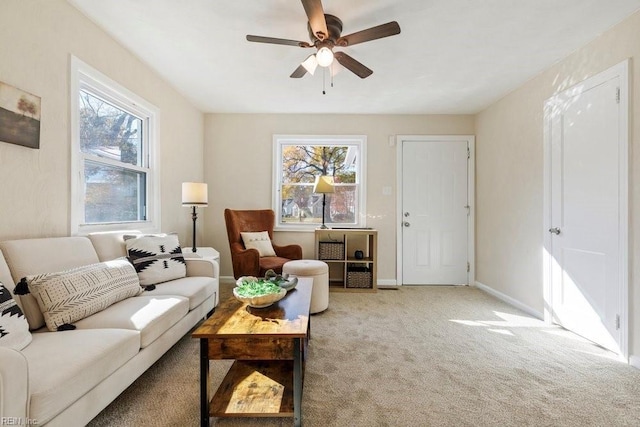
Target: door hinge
(617, 321)
(468, 153)
(618, 95)
(468, 267)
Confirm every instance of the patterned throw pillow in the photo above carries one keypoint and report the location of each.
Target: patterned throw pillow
(71, 295)
(157, 258)
(14, 329)
(259, 241)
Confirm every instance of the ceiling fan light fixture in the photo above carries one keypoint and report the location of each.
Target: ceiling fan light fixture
(310, 64)
(324, 56)
(325, 33)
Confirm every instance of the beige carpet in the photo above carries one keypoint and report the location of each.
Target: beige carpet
(417, 356)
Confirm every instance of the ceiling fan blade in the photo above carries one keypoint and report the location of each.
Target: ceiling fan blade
(271, 40)
(385, 30)
(352, 65)
(317, 22)
(299, 72)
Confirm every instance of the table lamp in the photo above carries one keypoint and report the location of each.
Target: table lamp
(194, 194)
(323, 185)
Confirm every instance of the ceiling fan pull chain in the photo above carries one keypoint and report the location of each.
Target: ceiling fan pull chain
(331, 74)
(324, 78)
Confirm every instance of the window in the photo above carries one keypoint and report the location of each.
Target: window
(113, 168)
(298, 161)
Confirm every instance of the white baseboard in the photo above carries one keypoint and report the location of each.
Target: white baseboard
(512, 301)
(634, 361)
(387, 283)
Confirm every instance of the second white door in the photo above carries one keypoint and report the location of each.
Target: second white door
(585, 247)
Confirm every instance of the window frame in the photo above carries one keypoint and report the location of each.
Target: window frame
(279, 141)
(86, 78)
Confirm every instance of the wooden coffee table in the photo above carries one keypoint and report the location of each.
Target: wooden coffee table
(269, 348)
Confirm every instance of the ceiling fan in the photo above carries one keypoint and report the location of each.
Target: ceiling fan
(324, 32)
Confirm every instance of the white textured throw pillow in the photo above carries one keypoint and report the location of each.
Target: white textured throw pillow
(14, 329)
(259, 241)
(157, 258)
(71, 295)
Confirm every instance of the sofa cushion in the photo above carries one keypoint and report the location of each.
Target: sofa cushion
(110, 244)
(196, 289)
(150, 315)
(157, 258)
(260, 241)
(67, 296)
(64, 366)
(14, 328)
(27, 257)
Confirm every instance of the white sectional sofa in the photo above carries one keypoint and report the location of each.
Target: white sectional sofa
(65, 378)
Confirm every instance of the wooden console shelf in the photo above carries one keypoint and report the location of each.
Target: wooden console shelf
(254, 388)
(348, 272)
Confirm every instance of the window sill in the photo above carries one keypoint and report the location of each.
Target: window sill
(143, 227)
(296, 229)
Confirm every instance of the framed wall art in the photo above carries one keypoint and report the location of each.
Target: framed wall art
(19, 117)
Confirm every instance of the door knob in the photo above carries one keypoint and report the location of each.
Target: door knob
(554, 230)
(406, 224)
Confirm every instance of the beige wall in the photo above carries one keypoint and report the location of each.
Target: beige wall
(238, 167)
(509, 173)
(36, 40)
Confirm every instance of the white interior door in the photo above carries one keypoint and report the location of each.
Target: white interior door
(435, 211)
(585, 226)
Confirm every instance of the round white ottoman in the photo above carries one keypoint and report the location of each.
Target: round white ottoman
(319, 272)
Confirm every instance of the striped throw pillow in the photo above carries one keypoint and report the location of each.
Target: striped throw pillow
(67, 296)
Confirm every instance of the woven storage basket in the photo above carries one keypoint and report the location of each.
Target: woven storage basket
(331, 250)
(360, 278)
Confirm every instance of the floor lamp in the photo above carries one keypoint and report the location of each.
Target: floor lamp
(194, 194)
(323, 185)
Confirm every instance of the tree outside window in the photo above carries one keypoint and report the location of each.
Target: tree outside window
(112, 142)
(300, 161)
(114, 165)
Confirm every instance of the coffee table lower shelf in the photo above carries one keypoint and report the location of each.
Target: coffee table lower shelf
(255, 388)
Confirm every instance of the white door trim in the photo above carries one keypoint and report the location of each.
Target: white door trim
(620, 70)
(471, 192)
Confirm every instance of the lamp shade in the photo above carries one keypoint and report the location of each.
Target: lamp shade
(194, 194)
(310, 64)
(323, 184)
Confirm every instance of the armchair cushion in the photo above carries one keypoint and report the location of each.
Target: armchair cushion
(259, 241)
(274, 263)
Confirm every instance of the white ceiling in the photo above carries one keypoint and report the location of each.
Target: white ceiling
(452, 56)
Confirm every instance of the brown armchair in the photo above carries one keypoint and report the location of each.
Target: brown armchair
(247, 262)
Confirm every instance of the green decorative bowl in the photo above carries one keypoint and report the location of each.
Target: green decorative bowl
(248, 289)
